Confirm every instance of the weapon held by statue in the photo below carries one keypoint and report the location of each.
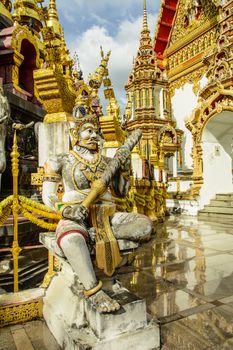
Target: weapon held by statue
(99, 186)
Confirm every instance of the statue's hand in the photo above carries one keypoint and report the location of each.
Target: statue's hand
(76, 212)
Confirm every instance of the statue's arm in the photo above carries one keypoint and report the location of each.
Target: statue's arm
(120, 183)
(52, 177)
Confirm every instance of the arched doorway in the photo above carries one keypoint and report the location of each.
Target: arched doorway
(217, 156)
(26, 80)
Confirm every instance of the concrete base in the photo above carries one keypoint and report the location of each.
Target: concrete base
(84, 339)
(76, 324)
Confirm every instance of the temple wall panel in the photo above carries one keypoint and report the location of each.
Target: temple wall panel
(217, 153)
(183, 102)
(53, 140)
(216, 180)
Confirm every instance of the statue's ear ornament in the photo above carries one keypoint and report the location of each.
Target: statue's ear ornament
(74, 136)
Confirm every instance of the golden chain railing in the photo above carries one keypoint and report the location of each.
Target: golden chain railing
(15, 204)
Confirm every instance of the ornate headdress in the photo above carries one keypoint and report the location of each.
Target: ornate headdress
(82, 114)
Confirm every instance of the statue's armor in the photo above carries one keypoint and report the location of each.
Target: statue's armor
(77, 175)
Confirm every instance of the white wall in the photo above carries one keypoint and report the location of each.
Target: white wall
(217, 166)
(183, 103)
(53, 139)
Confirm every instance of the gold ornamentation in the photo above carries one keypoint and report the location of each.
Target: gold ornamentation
(191, 52)
(95, 79)
(12, 314)
(19, 34)
(5, 9)
(91, 164)
(15, 208)
(196, 124)
(57, 96)
(5, 213)
(38, 222)
(7, 4)
(145, 199)
(51, 177)
(94, 290)
(217, 96)
(36, 211)
(24, 11)
(37, 178)
(6, 203)
(43, 209)
(190, 18)
(110, 124)
(16, 203)
(107, 250)
(147, 90)
(51, 273)
(192, 77)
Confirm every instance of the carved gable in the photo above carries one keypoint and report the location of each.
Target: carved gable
(191, 15)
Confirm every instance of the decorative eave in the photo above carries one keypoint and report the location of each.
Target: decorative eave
(164, 27)
(148, 124)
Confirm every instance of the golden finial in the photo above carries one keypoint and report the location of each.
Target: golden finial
(95, 79)
(101, 52)
(52, 11)
(53, 20)
(145, 22)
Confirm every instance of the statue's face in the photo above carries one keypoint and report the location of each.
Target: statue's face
(88, 136)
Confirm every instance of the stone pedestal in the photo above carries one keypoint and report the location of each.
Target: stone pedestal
(77, 325)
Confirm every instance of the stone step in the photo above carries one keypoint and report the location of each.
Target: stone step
(224, 196)
(221, 203)
(217, 225)
(215, 216)
(220, 210)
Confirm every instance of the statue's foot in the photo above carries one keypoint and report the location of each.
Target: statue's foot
(103, 303)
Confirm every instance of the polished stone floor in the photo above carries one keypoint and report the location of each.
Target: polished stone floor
(186, 276)
(185, 273)
(33, 335)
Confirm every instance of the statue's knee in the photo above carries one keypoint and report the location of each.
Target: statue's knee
(72, 240)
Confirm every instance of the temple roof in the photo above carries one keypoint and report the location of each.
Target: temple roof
(164, 27)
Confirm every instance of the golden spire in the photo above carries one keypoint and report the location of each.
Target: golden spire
(52, 12)
(53, 20)
(145, 39)
(145, 22)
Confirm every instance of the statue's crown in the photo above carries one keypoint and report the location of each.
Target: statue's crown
(81, 115)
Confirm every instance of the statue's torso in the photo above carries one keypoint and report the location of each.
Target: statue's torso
(78, 174)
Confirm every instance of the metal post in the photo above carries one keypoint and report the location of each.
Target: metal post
(15, 209)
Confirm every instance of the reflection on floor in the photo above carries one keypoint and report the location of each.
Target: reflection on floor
(30, 336)
(186, 275)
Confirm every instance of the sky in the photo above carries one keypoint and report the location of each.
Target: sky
(113, 24)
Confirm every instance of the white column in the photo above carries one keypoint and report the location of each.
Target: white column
(174, 159)
(161, 104)
(53, 139)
